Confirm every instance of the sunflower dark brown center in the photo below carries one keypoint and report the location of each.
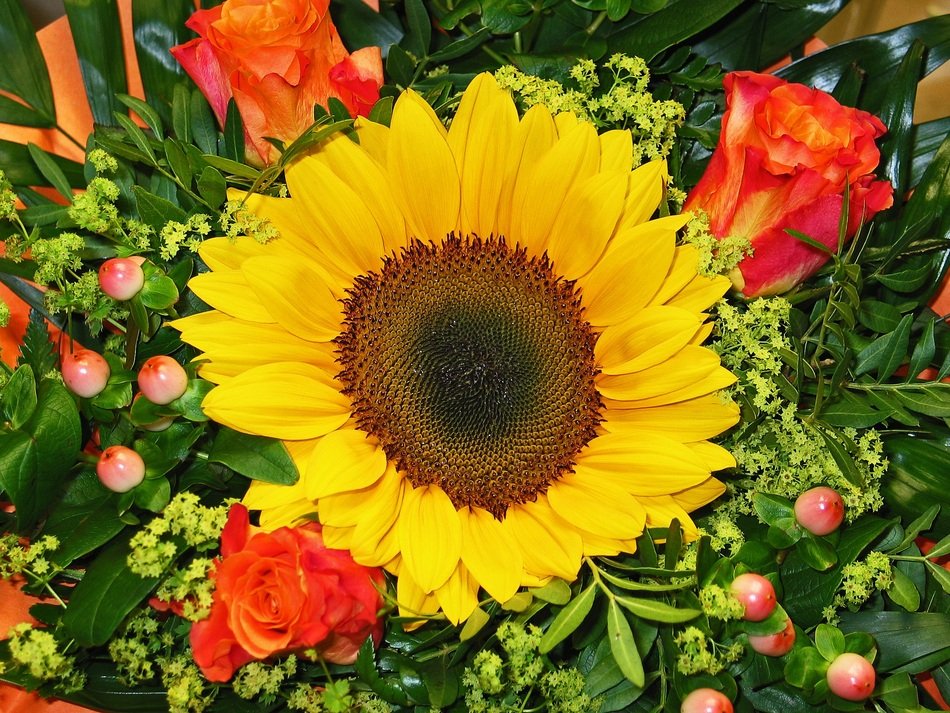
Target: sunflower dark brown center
(474, 367)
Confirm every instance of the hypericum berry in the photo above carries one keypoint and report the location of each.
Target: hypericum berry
(159, 424)
(706, 700)
(162, 380)
(120, 469)
(851, 677)
(819, 510)
(85, 372)
(121, 278)
(756, 594)
(775, 644)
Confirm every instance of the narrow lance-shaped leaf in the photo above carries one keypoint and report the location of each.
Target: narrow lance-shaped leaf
(23, 70)
(97, 36)
(568, 619)
(622, 645)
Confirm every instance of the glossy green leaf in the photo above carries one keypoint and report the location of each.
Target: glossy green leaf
(852, 411)
(475, 623)
(259, 458)
(829, 641)
(461, 47)
(879, 316)
(51, 171)
(932, 398)
(188, 404)
(897, 113)
(903, 592)
(178, 161)
(886, 352)
(568, 619)
(97, 36)
(654, 33)
(233, 133)
(360, 26)
(654, 610)
(159, 25)
(927, 138)
(420, 28)
(920, 524)
(19, 397)
(17, 164)
(818, 553)
(916, 478)
(622, 645)
(771, 508)
(82, 529)
(13, 112)
(557, 591)
(804, 667)
(204, 130)
(107, 593)
(23, 71)
(156, 211)
(904, 640)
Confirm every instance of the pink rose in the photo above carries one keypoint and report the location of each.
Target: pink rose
(786, 153)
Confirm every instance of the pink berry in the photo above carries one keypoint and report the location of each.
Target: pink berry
(706, 700)
(162, 380)
(819, 510)
(121, 278)
(85, 372)
(120, 469)
(756, 594)
(851, 677)
(775, 644)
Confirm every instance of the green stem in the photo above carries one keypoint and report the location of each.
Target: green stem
(598, 21)
(69, 136)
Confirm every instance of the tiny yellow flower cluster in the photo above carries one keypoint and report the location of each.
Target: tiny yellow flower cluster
(724, 534)
(54, 256)
(153, 548)
(716, 257)
(860, 580)
(258, 679)
(132, 651)
(4, 314)
(7, 199)
(17, 558)
(185, 685)
(237, 221)
(95, 210)
(625, 104)
(37, 651)
(192, 586)
(190, 234)
(102, 162)
(699, 654)
(719, 603)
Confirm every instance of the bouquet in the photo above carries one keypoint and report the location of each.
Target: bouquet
(569, 356)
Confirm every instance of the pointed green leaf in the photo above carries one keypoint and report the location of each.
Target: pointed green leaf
(902, 591)
(23, 70)
(160, 25)
(622, 645)
(51, 171)
(655, 610)
(568, 619)
(97, 36)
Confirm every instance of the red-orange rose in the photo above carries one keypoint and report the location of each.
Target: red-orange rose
(785, 156)
(277, 58)
(283, 591)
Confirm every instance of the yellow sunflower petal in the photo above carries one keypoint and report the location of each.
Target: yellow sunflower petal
(430, 536)
(574, 158)
(688, 366)
(700, 293)
(616, 151)
(458, 597)
(629, 275)
(413, 600)
(700, 495)
(599, 546)
(280, 505)
(534, 137)
(644, 193)
(716, 380)
(345, 459)
(228, 291)
(227, 254)
(309, 310)
(548, 544)
(481, 137)
(342, 225)
(597, 505)
(490, 553)
(282, 400)
(285, 215)
(692, 420)
(585, 224)
(356, 168)
(663, 509)
(375, 539)
(682, 272)
(715, 457)
(422, 170)
(652, 336)
(374, 139)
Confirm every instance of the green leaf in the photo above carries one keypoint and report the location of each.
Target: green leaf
(649, 36)
(19, 397)
(805, 667)
(23, 71)
(903, 592)
(145, 112)
(17, 163)
(622, 645)
(886, 352)
(51, 171)
(420, 28)
(107, 593)
(189, 403)
(360, 26)
(904, 640)
(203, 129)
(932, 399)
(924, 351)
(475, 623)
(461, 47)
(919, 525)
(178, 161)
(400, 66)
(654, 610)
(233, 133)
(97, 36)
(13, 112)
(257, 457)
(159, 25)
(557, 591)
(940, 574)
(842, 457)
(852, 411)
(879, 316)
(159, 292)
(156, 211)
(231, 168)
(829, 641)
(152, 494)
(818, 553)
(36, 460)
(568, 619)
(212, 187)
(82, 529)
(898, 691)
(897, 113)
(771, 508)
(916, 478)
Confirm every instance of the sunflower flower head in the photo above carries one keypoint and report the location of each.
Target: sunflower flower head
(483, 356)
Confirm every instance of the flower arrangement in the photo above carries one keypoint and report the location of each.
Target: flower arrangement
(477, 357)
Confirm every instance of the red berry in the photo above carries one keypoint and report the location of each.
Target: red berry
(85, 372)
(851, 677)
(120, 469)
(706, 700)
(756, 594)
(819, 510)
(162, 380)
(775, 644)
(121, 277)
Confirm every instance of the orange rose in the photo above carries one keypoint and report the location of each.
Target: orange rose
(785, 155)
(277, 58)
(283, 591)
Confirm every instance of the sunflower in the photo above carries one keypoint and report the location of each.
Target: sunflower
(482, 355)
